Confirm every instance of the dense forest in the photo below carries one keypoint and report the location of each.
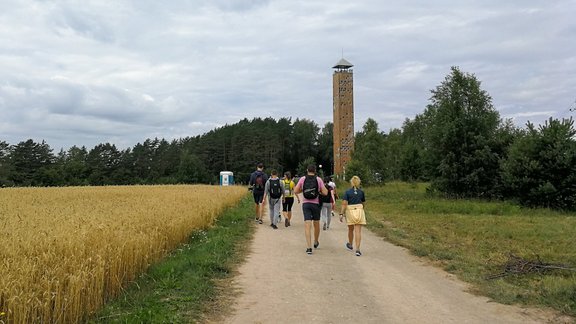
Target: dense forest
(460, 144)
(279, 144)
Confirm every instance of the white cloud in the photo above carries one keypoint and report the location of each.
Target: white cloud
(531, 114)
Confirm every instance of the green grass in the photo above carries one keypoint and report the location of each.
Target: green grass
(184, 287)
(473, 238)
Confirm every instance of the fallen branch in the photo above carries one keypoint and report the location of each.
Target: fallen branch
(517, 265)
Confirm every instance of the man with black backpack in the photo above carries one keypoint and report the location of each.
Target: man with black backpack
(311, 187)
(274, 190)
(257, 181)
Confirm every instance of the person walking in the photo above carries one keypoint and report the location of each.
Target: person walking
(353, 207)
(311, 187)
(327, 205)
(289, 196)
(332, 184)
(257, 182)
(274, 192)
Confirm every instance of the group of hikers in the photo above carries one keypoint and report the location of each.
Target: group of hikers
(318, 203)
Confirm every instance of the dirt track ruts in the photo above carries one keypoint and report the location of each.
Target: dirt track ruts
(280, 283)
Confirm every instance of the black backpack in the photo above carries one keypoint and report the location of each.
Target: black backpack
(310, 187)
(259, 181)
(328, 198)
(275, 188)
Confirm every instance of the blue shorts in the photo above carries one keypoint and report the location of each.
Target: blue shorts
(311, 211)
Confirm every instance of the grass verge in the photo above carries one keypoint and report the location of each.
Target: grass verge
(186, 286)
(473, 240)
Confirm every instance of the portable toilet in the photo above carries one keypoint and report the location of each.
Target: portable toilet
(226, 178)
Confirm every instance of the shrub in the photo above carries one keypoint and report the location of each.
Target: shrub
(541, 166)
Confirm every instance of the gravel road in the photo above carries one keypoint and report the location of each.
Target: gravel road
(280, 283)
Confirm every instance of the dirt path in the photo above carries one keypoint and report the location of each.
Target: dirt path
(280, 283)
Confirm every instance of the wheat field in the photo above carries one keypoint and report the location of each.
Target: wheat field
(65, 251)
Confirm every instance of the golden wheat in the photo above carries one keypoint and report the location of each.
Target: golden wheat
(65, 251)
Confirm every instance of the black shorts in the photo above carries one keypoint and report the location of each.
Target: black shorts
(311, 211)
(287, 204)
(258, 196)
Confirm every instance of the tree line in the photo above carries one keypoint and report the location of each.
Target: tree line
(280, 144)
(462, 146)
(459, 144)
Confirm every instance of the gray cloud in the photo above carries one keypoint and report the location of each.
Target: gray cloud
(123, 71)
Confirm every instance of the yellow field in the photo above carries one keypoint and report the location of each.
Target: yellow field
(64, 251)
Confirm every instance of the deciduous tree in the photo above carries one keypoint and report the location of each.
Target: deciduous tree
(541, 165)
(462, 129)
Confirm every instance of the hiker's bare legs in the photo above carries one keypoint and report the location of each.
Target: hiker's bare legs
(351, 234)
(262, 206)
(307, 232)
(358, 235)
(316, 230)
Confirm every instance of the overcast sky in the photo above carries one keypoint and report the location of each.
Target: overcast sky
(94, 71)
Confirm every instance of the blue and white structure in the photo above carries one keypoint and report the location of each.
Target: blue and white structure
(226, 178)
